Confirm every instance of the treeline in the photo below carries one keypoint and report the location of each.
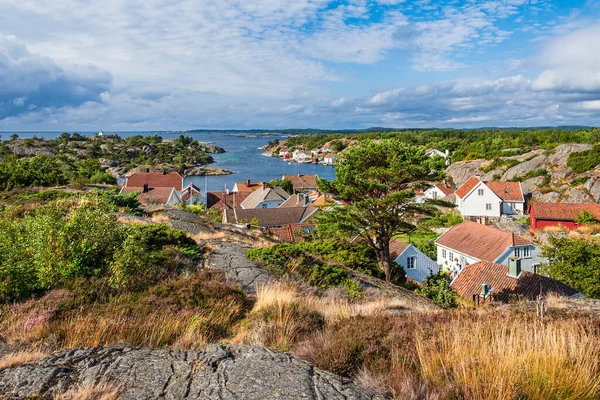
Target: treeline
(50, 171)
(465, 144)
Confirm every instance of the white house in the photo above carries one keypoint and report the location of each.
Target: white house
(265, 197)
(436, 152)
(329, 159)
(191, 195)
(283, 152)
(302, 156)
(417, 265)
(469, 242)
(476, 198)
(438, 191)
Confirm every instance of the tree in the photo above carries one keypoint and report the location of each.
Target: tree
(586, 218)
(14, 137)
(377, 182)
(575, 263)
(285, 184)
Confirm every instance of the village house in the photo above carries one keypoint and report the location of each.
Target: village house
(489, 281)
(225, 200)
(303, 183)
(155, 188)
(438, 191)
(292, 233)
(417, 265)
(265, 197)
(469, 242)
(476, 198)
(542, 215)
(283, 152)
(296, 200)
(247, 186)
(191, 195)
(329, 159)
(269, 217)
(436, 152)
(302, 156)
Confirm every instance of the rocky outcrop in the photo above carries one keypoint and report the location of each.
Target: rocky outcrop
(562, 153)
(212, 149)
(19, 148)
(577, 196)
(525, 167)
(219, 372)
(460, 171)
(201, 171)
(593, 187)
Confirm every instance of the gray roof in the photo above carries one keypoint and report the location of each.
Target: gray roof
(266, 194)
(268, 217)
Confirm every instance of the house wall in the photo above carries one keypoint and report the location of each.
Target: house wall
(174, 198)
(473, 205)
(456, 264)
(432, 192)
(424, 266)
(526, 263)
(269, 204)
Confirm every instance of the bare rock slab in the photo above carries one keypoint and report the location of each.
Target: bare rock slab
(219, 372)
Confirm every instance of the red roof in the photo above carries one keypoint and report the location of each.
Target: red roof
(292, 233)
(158, 195)
(397, 247)
(466, 187)
(479, 241)
(301, 182)
(504, 287)
(155, 180)
(248, 186)
(507, 191)
(224, 201)
(447, 190)
(562, 211)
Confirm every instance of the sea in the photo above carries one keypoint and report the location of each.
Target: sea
(242, 156)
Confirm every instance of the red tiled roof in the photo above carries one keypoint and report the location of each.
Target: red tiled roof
(158, 195)
(291, 233)
(504, 287)
(397, 247)
(479, 241)
(244, 187)
(467, 187)
(224, 201)
(563, 211)
(447, 190)
(268, 217)
(155, 180)
(300, 182)
(507, 191)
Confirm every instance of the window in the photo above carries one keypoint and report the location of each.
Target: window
(410, 262)
(480, 192)
(488, 206)
(435, 195)
(444, 254)
(526, 252)
(451, 256)
(518, 252)
(535, 268)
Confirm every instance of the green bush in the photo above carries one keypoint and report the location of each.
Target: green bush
(584, 160)
(443, 220)
(586, 218)
(35, 171)
(103, 177)
(437, 288)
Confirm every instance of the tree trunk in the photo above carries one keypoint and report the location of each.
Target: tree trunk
(383, 260)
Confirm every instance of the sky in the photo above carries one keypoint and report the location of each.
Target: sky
(117, 65)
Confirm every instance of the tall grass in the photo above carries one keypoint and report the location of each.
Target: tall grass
(491, 358)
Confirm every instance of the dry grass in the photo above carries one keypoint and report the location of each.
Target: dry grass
(125, 220)
(554, 229)
(500, 358)
(213, 235)
(98, 392)
(23, 357)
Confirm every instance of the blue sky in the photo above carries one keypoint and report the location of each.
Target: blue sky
(184, 64)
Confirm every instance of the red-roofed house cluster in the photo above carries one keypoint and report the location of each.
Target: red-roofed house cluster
(161, 188)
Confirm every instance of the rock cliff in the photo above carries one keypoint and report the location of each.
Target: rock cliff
(219, 372)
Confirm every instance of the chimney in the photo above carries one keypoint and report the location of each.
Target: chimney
(263, 185)
(147, 169)
(514, 267)
(484, 290)
(164, 172)
(145, 188)
(305, 200)
(248, 182)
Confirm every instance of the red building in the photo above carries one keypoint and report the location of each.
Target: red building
(542, 215)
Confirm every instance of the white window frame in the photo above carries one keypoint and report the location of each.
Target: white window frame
(451, 256)
(526, 252)
(411, 260)
(488, 206)
(480, 192)
(517, 252)
(444, 254)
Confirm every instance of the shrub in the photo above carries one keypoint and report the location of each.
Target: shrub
(103, 177)
(586, 218)
(437, 288)
(579, 181)
(584, 160)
